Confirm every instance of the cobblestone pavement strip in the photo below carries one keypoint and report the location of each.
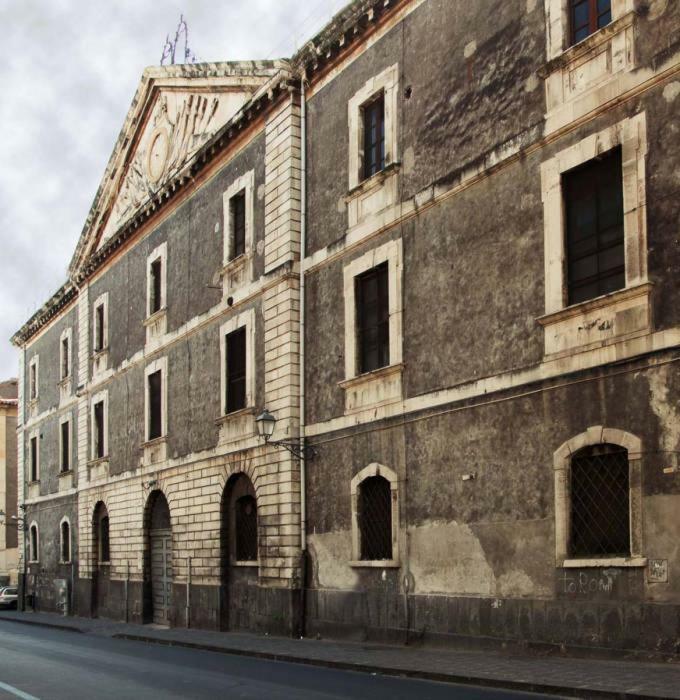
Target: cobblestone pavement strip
(575, 677)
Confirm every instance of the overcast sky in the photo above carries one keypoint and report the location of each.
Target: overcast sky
(70, 69)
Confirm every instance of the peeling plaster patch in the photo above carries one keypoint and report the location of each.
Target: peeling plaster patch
(515, 583)
(531, 83)
(448, 558)
(671, 91)
(657, 8)
(668, 413)
(260, 193)
(331, 552)
(341, 205)
(531, 5)
(470, 49)
(409, 160)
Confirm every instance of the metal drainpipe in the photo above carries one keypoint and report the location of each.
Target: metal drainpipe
(303, 469)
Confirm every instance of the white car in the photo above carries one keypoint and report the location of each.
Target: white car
(8, 597)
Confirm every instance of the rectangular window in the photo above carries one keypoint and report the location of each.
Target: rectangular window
(99, 430)
(155, 287)
(33, 381)
(236, 370)
(587, 16)
(237, 209)
(99, 328)
(65, 358)
(595, 234)
(373, 319)
(65, 446)
(34, 458)
(374, 136)
(155, 405)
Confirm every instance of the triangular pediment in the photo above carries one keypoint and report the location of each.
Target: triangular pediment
(176, 111)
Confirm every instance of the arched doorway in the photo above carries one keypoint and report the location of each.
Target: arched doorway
(158, 559)
(239, 548)
(101, 564)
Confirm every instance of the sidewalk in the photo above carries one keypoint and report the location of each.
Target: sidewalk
(571, 677)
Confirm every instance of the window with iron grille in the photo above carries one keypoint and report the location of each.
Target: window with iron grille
(593, 197)
(34, 458)
(373, 319)
(374, 514)
(104, 545)
(99, 430)
(237, 206)
(155, 381)
(246, 528)
(65, 358)
(373, 114)
(65, 542)
(236, 370)
(587, 16)
(600, 502)
(99, 328)
(155, 286)
(65, 446)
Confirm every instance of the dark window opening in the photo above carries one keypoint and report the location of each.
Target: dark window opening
(600, 502)
(594, 221)
(99, 430)
(373, 114)
(33, 545)
(237, 206)
(246, 528)
(587, 16)
(65, 542)
(33, 381)
(99, 328)
(373, 319)
(375, 518)
(155, 289)
(104, 550)
(155, 405)
(34, 459)
(65, 359)
(65, 447)
(236, 370)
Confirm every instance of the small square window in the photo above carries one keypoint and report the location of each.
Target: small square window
(236, 370)
(373, 319)
(237, 212)
(373, 114)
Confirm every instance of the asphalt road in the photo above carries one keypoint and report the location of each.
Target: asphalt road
(51, 664)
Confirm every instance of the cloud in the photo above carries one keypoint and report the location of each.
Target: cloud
(70, 70)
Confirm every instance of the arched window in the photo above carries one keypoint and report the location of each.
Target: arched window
(65, 539)
(600, 502)
(33, 543)
(375, 515)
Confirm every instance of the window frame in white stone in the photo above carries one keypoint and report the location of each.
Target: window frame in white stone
(159, 253)
(245, 319)
(65, 520)
(33, 551)
(66, 335)
(33, 434)
(374, 469)
(67, 418)
(34, 379)
(101, 301)
(598, 435)
(238, 270)
(103, 397)
(159, 364)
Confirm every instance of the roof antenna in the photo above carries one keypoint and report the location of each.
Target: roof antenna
(170, 47)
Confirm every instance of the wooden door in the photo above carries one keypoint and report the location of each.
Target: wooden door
(161, 575)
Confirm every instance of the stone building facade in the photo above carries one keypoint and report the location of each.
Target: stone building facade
(9, 551)
(271, 234)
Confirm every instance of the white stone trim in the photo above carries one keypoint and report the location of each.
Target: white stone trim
(631, 135)
(34, 378)
(392, 253)
(160, 364)
(67, 334)
(557, 23)
(66, 418)
(33, 434)
(244, 183)
(374, 469)
(244, 319)
(159, 253)
(33, 553)
(102, 396)
(597, 435)
(102, 300)
(386, 82)
(61, 541)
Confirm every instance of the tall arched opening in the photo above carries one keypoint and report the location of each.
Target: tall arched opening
(158, 560)
(101, 560)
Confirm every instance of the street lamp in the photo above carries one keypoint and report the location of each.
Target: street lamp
(266, 422)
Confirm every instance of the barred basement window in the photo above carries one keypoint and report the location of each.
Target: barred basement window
(595, 234)
(246, 528)
(65, 446)
(155, 389)
(373, 114)
(373, 319)
(587, 16)
(375, 519)
(33, 446)
(600, 502)
(237, 211)
(236, 370)
(99, 451)
(155, 286)
(65, 542)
